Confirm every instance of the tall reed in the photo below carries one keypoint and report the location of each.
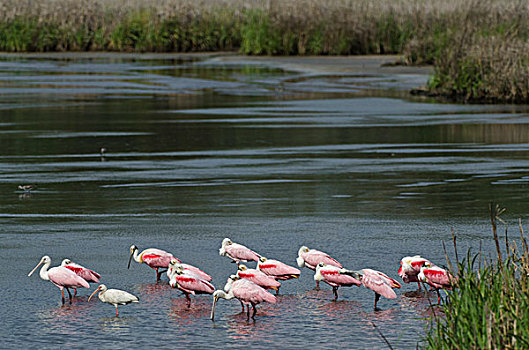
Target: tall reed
(490, 307)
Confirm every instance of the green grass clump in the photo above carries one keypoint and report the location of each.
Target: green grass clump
(489, 309)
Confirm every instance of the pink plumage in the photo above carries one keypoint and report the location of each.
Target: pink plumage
(192, 284)
(312, 257)
(156, 258)
(258, 277)
(331, 275)
(437, 277)
(250, 293)
(410, 267)
(379, 283)
(237, 252)
(277, 269)
(81, 271)
(65, 278)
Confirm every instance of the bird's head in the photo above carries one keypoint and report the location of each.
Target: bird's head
(322, 264)
(102, 288)
(229, 282)
(66, 262)
(132, 249)
(262, 259)
(242, 267)
(44, 260)
(226, 241)
(303, 249)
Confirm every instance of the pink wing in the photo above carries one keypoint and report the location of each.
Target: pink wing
(259, 278)
(278, 269)
(62, 277)
(438, 277)
(378, 283)
(155, 260)
(417, 263)
(333, 276)
(313, 257)
(83, 272)
(192, 284)
(249, 292)
(239, 252)
(197, 272)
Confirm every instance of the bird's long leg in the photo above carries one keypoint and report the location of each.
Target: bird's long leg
(248, 313)
(335, 291)
(188, 300)
(377, 297)
(69, 294)
(117, 312)
(419, 284)
(438, 296)
(62, 294)
(254, 311)
(74, 292)
(277, 291)
(317, 285)
(242, 305)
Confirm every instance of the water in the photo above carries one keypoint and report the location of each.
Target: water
(274, 153)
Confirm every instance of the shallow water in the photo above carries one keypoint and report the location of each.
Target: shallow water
(274, 154)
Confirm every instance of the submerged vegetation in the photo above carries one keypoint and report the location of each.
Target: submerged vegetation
(478, 48)
(490, 307)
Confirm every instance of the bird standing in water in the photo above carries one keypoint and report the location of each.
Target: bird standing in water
(311, 258)
(377, 281)
(81, 271)
(59, 276)
(152, 257)
(114, 297)
(331, 275)
(246, 291)
(410, 267)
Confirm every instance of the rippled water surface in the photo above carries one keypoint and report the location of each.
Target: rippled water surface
(274, 153)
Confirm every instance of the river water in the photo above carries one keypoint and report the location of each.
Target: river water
(275, 153)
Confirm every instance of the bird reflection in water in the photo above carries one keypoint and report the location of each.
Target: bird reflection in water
(260, 330)
(26, 195)
(182, 313)
(153, 292)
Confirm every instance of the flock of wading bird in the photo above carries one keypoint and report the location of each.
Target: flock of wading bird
(247, 285)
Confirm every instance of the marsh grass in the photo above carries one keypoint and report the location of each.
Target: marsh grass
(478, 48)
(489, 309)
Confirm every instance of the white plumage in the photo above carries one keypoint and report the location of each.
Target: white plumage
(114, 296)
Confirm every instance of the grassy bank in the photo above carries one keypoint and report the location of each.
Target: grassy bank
(478, 47)
(490, 307)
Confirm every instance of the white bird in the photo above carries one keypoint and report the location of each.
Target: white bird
(114, 296)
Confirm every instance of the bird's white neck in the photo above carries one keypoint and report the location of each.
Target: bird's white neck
(224, 295)
(44, 271)
(137, 257)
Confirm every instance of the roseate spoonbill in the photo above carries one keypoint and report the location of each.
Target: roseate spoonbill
(436, 277)
(377, 281)
(173, 264)
(81, 271)
(258, 277)
(154, 258)
(237, 252)
(246, 291)
(114, 297)
(27, 188)
(59, 276)
(311, 258)
(277, 269)
(189, 283)
(331, 275)
(410, 266)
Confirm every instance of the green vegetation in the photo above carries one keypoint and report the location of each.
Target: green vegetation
(478, 48)
(489, 309)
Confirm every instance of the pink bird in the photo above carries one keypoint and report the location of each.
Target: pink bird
(277, 269)
(258, 277)
(81, 271)
(377, 281)
(154, 258)
(436, 277)
(409, 269)
(246, 291)
(331, 275)
(173, 264)
(311, 258)
(59, 276)
(189, 283)
(237, 252)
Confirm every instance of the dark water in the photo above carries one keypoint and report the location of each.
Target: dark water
(273, 154)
